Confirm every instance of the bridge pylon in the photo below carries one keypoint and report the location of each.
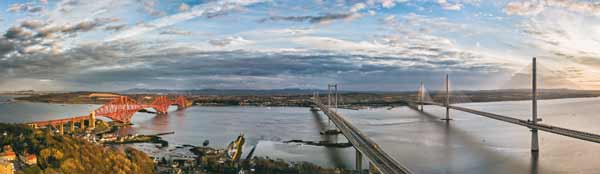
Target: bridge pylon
(359, 159)
(421, 96)
(534, 131)
(447, 102)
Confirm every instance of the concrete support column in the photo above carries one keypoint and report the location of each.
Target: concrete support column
(72, 126)
(359, 161)
(82, 124)
(534, 119)
(61, 129)
(93, 119)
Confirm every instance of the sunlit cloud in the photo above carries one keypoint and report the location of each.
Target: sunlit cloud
(366, 45)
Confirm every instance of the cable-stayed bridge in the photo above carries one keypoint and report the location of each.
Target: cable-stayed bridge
(386, 164)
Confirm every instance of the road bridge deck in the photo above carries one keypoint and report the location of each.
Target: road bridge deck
(527, 123)
(381, 160)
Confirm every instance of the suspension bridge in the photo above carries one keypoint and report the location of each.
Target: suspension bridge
(386, 164)
(120, 109)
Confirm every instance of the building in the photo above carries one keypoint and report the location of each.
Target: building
(7, 148)
(29, 159)
(8, 154)
(7, 167)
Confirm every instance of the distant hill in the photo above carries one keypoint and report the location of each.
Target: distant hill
(224, 92)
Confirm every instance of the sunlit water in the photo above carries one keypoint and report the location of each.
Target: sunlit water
(422, 142)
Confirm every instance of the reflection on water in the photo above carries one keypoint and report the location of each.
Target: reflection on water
(421, 141)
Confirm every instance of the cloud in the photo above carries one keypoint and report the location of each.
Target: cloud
(448, 6)
(37, 36)
(25, 7)
(386, 3)
(312, 19)
(17, 33)
(104, 66)
(357, 7)
(533, 7)
(207, 9)
(229, 41)
(33, 24)
(87, 25)
(115, 27)
(559, 40)
(184, 7)
(173, 31)
(523, 8)
(5, 46)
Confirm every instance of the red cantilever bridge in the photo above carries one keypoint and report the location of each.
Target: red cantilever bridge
(120, 109)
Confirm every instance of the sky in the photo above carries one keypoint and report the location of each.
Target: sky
(372, 45)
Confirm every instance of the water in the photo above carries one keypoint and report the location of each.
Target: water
(422, 142)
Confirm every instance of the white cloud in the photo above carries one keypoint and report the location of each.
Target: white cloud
(201, 10)
(449, 6)
(533, 7)
(229, 41)
(184, 7)
(357, 7)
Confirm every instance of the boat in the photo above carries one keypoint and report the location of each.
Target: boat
(234, 149)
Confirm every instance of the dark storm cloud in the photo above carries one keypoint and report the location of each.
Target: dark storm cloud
(17, 33)
(310, 19)
(34, 36)
(5, 46)
(95, 64)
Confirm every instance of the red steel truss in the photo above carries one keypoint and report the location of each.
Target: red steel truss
(121, 109)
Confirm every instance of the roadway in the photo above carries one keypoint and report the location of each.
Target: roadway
(527, 123)
(381, 160)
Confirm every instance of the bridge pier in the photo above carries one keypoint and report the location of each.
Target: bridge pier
(61, 129)
(72, 126)
(358, 161)
(93, 119)
(82, 124)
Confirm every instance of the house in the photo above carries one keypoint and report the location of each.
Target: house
(8, 154)
(7, 148)
(29, 159)
(7, 167)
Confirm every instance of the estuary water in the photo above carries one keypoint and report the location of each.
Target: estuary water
(420, 141)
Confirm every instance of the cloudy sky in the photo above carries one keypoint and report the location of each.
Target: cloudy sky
(269, 44)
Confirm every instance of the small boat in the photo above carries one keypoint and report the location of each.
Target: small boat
(234, 149)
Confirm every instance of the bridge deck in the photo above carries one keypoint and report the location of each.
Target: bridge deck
(543, 127)
(363, 144)
(60, 121)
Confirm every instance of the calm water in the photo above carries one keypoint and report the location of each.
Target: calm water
(425, 144)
